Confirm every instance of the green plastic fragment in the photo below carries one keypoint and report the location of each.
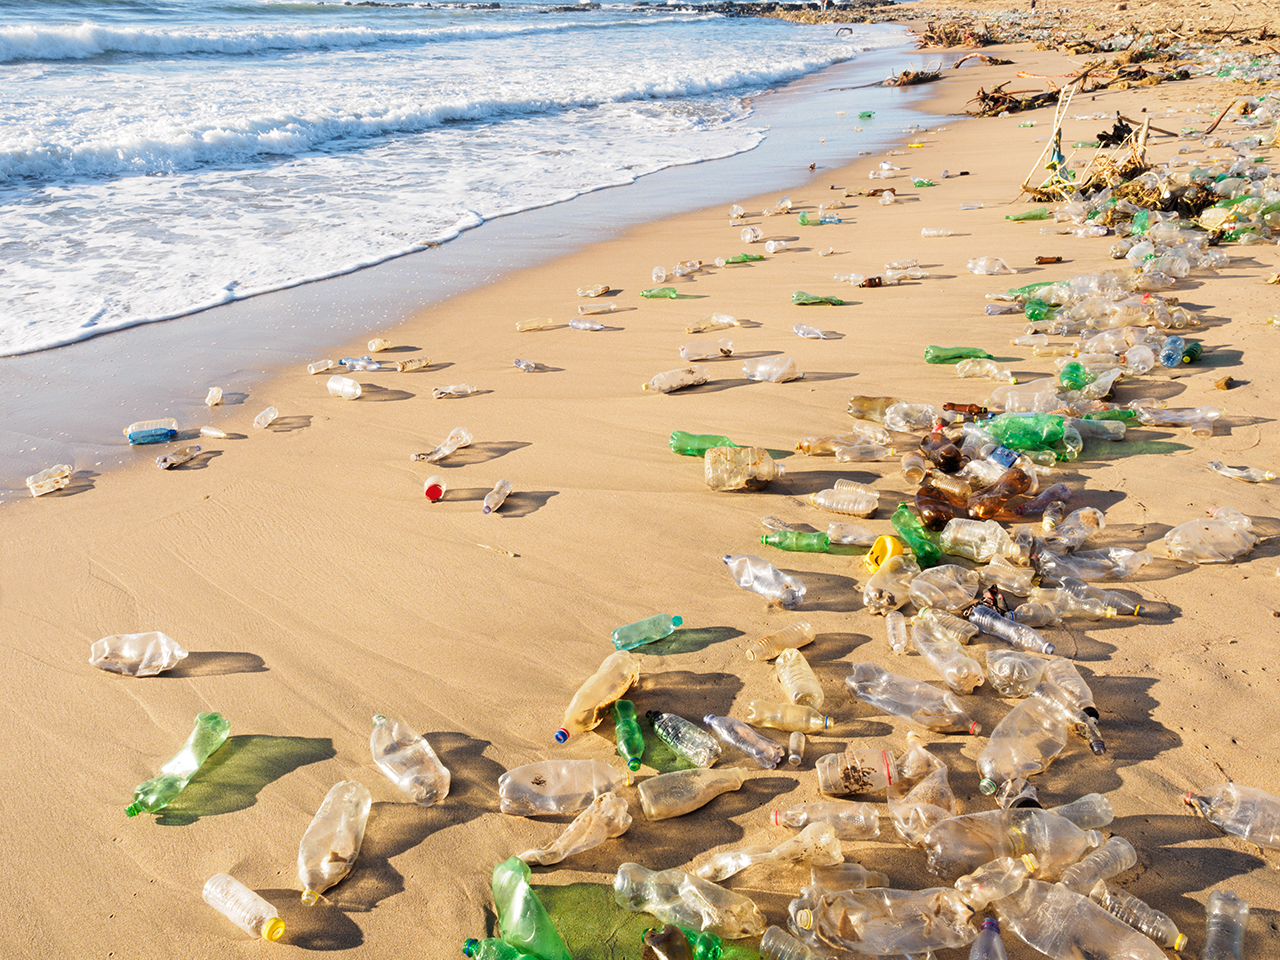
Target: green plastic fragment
(802, 299)
(933, 354)
(1039, 213)
(697, 444)
(665, 293)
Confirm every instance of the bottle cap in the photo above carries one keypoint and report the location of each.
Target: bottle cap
(562, 735)
(991, 924)
(777, 818)
(987, 786)
(633, 764)
(826, 723)
(677, 621)
(471, 947)
(804, 919)
(273, 929)
(1179, 943)
(975, 728)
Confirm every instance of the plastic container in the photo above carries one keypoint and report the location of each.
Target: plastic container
(262, 420)
(320, 366)
(736, 734)
(495, 498)
(522, 918)
(627, 733)
(178, 457)
(1245, 812)
(1065, 926)
(913, 699)
(605, 819)
(407, 759)
(248, 911)
(617, 673)
(683, 791)
(160, 431)
(1139, 915)
(151, 796)
(1226, 920)
(343, 387)
(786, 716)
(849, 820)
(798, 679)
(760, 576)
(331, 844)
(649, 630)
(685, 738)
(137, 654)
(816, 844)
(671, 380)
(739, 468)
(555, 786)
(48, 480)
(435, 488)
(772, 369)
(453, 390)
(791, 637)
(795, 748)
(707, 350)
(674, 896)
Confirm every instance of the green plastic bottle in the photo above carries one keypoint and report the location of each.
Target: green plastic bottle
(1119, 414)
(1141, 220)
(697, 444)
(1025, 293)
(802, 299)
(796, 540)
(150, 796)
(645, 631)
(706, 945)
(744, 258)
(660, 293)
(922, 182)
(954, 354)
(913, 533)
(1036, 309)
(1074, 376)
(626, 728)
(1037, 431)
(494, 949)
(522, 919)
(1192, 352)
(1039, 213)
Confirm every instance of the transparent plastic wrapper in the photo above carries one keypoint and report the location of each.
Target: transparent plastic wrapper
(48, 480)
(948, 587)
(849, 820)
(137, 654)
(671, 380)
(857, 501)
(912, 699)
(151, 796)
(739, 468)
(1140, 915)
(344, 388)
(458, 437)
(880, 921)
(773, 369)
(674, 896)
(1064, 925)
(961, 673)
(889, 587)
(1012, 672)
(1245, 812)
(685, 738)
(1248, 474)
(791, 637)
(798, 679)
(995, 880)
(921, 795)
(1113, 857)
(1226, 920)
(178, 457)
(555, 786)
(617, 674)
(407, 759)
(331, 844)
(706, 350)
(454, 390)
(765, 752)
(786, 716)
(760, 576)
(1224, 536)
(495, 498)
(808, 332)
(816, 844)
(1024, 743)
(606, 818)
(1110, 563)
(989, 266)
(962, 844)
(248, 911)
(522, 919)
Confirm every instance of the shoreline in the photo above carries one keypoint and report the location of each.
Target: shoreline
(316, 587)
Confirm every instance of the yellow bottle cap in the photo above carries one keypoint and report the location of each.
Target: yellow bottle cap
(884, 548)
(273, 930)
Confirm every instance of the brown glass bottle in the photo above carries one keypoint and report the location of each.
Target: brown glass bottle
(985, 504)
(936, 508)
(941, 452)
(666, 943)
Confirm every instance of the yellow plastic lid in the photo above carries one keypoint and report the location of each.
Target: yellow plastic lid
(882, 550)
(273, 930)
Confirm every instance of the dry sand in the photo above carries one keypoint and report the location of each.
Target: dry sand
(316, 587)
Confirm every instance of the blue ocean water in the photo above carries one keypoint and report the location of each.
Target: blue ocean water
(157, 158)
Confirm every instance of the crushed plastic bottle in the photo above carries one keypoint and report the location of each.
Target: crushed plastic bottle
(780, 369)
(458, 437)
(555, 786)
(989, 266)
(248, 911)
(1013, 673)
(1113, 857)
(454, 390)
(696, 445)
(849, 820)
(791, 637)
(889, 587)
(686, 739)
(407, 759)
(739, 468)
(151, 796)
(50, 479)
(921, 795)
(178, 457)
(736, 734)
(1226, 535)
(758, 575)
(1248, 474)
(413, 363)
(674, 896)
(882, 922)
(913, 699)
(495, 498)
(522, 919)
(1064, 925)
(605, 819)
(1024, 743)
(847, 876)
(137, 654)
(995, 881)
(798, 679)
(786, 716)
(1226, 920)
(671, 380)
(331, 844)
(816, 844)
(964, 843)
(1245, 812)
(961, 673)
(808, 332)
(616, 675)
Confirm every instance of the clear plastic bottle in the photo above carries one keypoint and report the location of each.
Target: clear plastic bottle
(798, 679)
(883, 922)
(645, 631)
(331, 844)
(760, 576)
(1019, 635)
(343, 387)
(913, 699)
(320, 366)
(407, 759)
(454, 390)
(1012, 672)
(606, 818)
(889, 587)
(847, 876)
(777, 944)
(961, 673)
(977, 540)
(850, 534)
(213, 397)
(786, 716)
(1024, 743)
(265, 418)
(853, 503)
(496, 497)
(1064, 925)
(742, 738)
(1245, 812)
(1077, 527)
(849, 820)
(525, 366)
(1226, 920)
(1248, 474)
(1090, 812)
(178, 457)
(434, 488)
(948, 624)
(964, 843)
(671, 380)
(458, 437)
(555, 786)
(856, 770)
(921, 795)
(674, 896)
(791, 637)
(980, 368)
(590, 309)
(808, 332)
(772, 369)
(716, 321)
(739, 468)
(248, 911)
(895, 625)
(49, 480)
(1141, 916)
(795, 748)
(1113, 857)
(522, 918)
(995, 880)
(816, 844)
(151, 796)
(1226, 535)
(413, 363)
(706, 350)
(936, 232)
(616, 675)
(137, 654)
(685, 738)
(914, 467)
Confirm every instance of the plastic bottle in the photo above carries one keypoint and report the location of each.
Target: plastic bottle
(889, 587)
(213, 433)
(1064, 925)
(772, 369)
(458, 437)
(555, 786)
(1090, 812)
(605, 819)
(850, 534)
(913, 467)
(150, 796)
(49, 480)
(921, 795)
(739, 468)
(674, 896)
(808, 332)
(988, 946)
(1226, 920)
(786, 716)
(590, 309)
(434, 488)
(706, 350)
(496, 497)
(361, 363)
(742, 738)
(989, 266)
(248, 911)
(1113, 857)
(413, 363)
(716, 321)
(984, 369)
(987, 503)
(883, 922)
(802, 299)
(661, 293)
(791, 637)
(1170, 354)
(816, 844)
(665, 943)
(913, 533)
(964, 843)
(1248, 474)
(798, 679)
(522, 918)
(961, 673)
(936, 232)
(847, 876)
(407, 759)
(137, 654)
(1139, 915)
(944, 588)
(777, 944)
(493, 949)
(683, 791)
(1109, 563)
(795, 748)
(895, 625)
(645, 631)
(1024, 743)
(797, 541)
(995, 880)
(851, 503)
(939, 449)
(753, 573)
(696, 445)
(1245, 812)
(1019, 635)
(320, 366)
(672, 380)
(913, 699)
(159, 431)
(343, 387)
(686, 739)
(949, 625)
(1012, 672)
(627, 732)
(331, 844)
(526, 366)
(178, 457)
(616, 675)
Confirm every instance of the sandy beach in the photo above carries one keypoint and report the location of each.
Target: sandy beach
(315, 586)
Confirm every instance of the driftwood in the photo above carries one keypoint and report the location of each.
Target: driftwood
(990, 61)
(908, 78)
(1000, 100)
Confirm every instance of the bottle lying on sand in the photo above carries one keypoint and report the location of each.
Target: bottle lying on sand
(150, 796)
(645, 631)
(407, 759)
(674, 896)
(616, 675)
(248, 911)
(331, 844)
